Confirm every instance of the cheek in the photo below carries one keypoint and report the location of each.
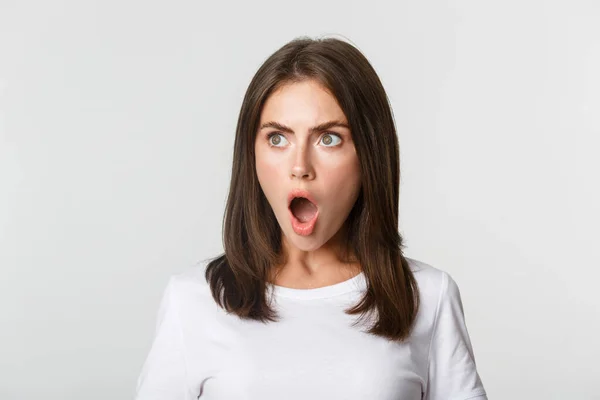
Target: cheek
(269, 174)
(342, 171)
(344, 179)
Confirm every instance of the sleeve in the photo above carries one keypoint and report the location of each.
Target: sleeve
(163, 375)
(452, 373)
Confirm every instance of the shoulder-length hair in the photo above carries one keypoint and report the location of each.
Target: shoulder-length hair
(251, 234)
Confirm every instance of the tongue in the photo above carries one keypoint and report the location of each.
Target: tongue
(303, 209)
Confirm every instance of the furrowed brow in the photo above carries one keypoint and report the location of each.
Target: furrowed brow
(319, 128)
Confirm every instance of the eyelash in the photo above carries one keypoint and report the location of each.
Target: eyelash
(270, 135)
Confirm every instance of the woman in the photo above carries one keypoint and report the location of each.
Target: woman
(312, 298)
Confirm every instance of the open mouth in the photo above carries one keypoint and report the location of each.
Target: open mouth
(303, 212)
(303, 209)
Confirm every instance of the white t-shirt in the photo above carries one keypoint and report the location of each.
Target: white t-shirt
(201, 352)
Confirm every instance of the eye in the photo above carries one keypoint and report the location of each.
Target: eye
(327, 139)
(275, 143)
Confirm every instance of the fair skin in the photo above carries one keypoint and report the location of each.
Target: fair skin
(322, 161)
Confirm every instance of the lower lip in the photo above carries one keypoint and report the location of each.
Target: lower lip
(303, 228)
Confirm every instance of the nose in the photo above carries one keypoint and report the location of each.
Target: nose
(302, 166)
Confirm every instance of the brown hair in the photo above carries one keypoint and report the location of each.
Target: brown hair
(251, 234)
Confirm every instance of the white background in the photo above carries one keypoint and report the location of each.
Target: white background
(117, 121)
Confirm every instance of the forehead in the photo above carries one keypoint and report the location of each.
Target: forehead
(306, 101)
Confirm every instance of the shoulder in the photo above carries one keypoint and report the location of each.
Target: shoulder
(427, 276)
(189, 288)
(435, 285)
(441, 328)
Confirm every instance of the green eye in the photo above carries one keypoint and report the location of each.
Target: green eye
(277, 141)
(328, 139)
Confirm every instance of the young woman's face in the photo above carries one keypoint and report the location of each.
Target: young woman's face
(290, 154)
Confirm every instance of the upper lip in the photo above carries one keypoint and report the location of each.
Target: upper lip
(300, 193)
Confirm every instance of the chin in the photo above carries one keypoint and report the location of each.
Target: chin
(304, 243)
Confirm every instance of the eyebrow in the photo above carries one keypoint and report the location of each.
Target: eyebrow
(319, 128)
